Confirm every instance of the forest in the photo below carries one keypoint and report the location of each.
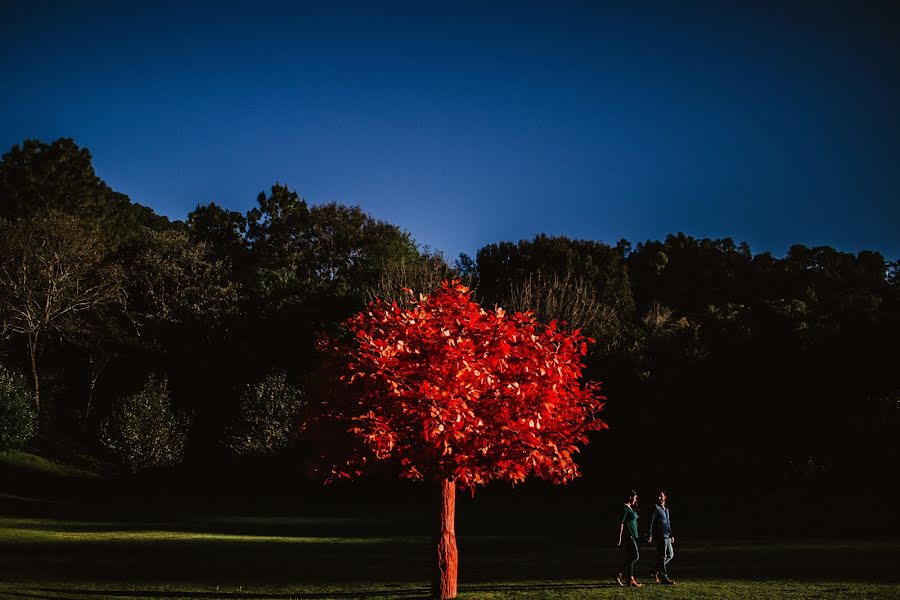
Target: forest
(168, 351)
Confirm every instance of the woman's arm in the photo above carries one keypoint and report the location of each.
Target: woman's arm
(621, 528)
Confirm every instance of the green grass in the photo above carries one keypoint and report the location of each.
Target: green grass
(348, 556)
(17, 463)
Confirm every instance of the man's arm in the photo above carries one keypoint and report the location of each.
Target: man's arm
(652, 522)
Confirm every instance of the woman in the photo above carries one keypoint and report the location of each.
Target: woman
(628, 526)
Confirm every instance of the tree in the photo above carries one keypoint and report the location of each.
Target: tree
(460, 396)
(565, 298)
(143, 431)
(268, 419)
(689, 274)
(222, 229)
(327, 251)
(560, 274)
(17, 416)
(36, 176)
(176, 279)
(309, 267)
(53, 267)
(422, 274)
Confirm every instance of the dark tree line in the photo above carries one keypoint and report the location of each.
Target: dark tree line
(720, 364)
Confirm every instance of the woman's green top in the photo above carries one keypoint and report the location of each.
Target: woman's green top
(629, 519)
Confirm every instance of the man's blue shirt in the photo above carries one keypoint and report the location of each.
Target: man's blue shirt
(660, 526)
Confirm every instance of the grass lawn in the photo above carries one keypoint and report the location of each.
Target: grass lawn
(23, 464)
(208, 556)
(63, 535)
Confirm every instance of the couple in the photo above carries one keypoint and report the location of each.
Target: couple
(660, 528)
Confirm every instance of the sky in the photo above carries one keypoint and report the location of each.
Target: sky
(468, 123)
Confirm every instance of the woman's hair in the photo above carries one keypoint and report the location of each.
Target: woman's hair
(631, 495)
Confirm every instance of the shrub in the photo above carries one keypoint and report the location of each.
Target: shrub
(143, 432)
(18, 419)
(269, 415)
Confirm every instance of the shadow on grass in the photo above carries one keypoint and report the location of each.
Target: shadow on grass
(259, 526)
(411, 594)
(407, 561)
(306, 553)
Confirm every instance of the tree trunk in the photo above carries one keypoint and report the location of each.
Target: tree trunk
(32, 354)
(443, 579)
(87, 408)
(96, 368)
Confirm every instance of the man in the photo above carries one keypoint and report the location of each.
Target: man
(661, 529)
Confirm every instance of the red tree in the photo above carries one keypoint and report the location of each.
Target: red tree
(460, 396)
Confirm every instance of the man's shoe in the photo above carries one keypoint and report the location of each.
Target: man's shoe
(667, 581)
(619, 579)
(634, 583)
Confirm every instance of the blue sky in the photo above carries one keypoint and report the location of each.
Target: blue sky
(471, 123)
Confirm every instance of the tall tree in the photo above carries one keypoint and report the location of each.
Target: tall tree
(328, 250)
(224, 230)
(687, 273)
(176, 280)
(421, 274)
(37, 176)
(566, 297)
(460, 396)
(53, 268)
(309, 267)
(554, 272)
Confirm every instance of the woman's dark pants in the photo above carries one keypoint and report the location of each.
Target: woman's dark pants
(631, 549)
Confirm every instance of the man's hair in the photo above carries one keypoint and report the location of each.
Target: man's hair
(663, 492)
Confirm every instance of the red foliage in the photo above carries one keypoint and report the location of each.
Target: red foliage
(453, 391)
